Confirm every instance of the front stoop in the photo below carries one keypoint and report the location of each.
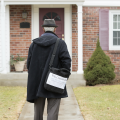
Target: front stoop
(14, 79)
(20, 79)
(76, 80)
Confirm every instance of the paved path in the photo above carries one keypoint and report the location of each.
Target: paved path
(69, 109)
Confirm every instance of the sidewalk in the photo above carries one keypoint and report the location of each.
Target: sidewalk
(69, 109)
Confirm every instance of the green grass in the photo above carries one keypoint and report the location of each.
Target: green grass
(99, 102)
(12, 100)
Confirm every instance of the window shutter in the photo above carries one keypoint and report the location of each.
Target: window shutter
(104, 28)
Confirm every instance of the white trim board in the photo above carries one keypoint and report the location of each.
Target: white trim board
(7, 39)
(111, 46)
(67, 22)
(101, 3)
(6, 45)
(42, 3)
(45, 0)
(91, 3)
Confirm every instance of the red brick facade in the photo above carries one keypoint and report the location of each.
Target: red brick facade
(90, 35)
(20, 38)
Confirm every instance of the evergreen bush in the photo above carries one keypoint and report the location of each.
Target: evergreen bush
(100, 69)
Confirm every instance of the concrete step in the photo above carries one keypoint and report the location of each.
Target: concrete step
(9, 82)
(24, 75)
(20, 79)
(14, 76)
(76, 80)
(75, 76)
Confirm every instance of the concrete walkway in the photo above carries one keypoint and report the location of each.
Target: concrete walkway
(69, 109)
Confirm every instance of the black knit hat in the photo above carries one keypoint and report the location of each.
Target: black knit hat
(49, 23)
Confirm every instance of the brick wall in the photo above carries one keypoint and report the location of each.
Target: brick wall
(74, 39)
(90, 32)
(20, 38)
(90, 35)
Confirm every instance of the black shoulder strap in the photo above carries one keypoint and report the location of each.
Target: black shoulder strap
(54, 51)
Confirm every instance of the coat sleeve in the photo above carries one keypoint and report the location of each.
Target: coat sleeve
(29, 55)
(64, 56)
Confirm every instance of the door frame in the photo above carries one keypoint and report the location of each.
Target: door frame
(67, 23)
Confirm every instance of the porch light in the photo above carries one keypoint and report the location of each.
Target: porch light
(24, 14)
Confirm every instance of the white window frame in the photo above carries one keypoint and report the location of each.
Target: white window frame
(111, 46)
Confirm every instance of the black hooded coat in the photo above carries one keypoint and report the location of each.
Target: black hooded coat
(39, 56)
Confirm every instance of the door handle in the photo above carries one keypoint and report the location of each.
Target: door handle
(62, 36)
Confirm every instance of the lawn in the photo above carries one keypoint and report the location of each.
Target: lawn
(99, 102)
(12, 100)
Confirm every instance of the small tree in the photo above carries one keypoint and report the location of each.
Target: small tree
(100, 69)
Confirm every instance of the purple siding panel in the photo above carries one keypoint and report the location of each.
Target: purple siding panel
(104, 28)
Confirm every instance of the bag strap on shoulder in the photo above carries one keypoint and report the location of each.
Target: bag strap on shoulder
(54, 52)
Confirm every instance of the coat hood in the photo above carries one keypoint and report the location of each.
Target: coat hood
(46, 39)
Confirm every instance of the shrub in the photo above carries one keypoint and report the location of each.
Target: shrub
(100, 69)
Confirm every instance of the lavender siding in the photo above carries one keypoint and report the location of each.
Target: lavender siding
(104, 28)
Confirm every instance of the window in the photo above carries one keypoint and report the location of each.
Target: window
(52, 15)
(114, 29)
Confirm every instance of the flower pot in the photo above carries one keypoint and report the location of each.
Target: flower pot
(19, 66)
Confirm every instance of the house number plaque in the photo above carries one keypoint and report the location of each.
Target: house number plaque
(24, 25)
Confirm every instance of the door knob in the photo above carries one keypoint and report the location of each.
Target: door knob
(62, 36)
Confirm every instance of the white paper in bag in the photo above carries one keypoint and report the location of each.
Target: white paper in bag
(56, 80)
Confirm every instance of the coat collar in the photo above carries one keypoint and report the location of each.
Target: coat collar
(51, 32)
(46, 39)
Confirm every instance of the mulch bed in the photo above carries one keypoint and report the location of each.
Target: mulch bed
(113, 82)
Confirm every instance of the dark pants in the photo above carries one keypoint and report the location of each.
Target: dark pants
(52, 108)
